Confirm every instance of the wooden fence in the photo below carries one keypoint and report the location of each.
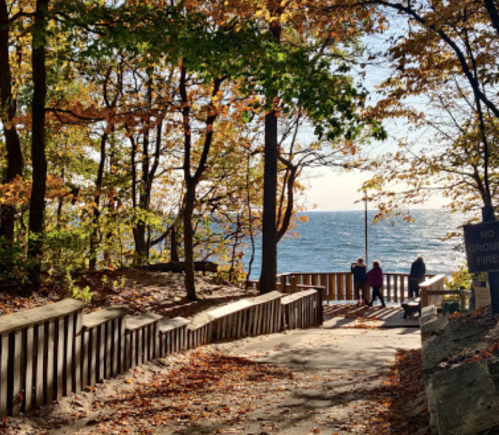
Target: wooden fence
(433, 292)
(53, 351)
(338, 286)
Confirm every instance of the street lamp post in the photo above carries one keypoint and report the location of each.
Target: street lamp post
(365, 225)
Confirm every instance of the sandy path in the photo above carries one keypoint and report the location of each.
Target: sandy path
(328, 381)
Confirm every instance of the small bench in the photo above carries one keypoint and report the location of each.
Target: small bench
(411, 306)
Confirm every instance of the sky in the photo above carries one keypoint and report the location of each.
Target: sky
(330, 190)
(335, 190)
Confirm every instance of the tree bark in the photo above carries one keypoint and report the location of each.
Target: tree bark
(190, 283)
(173, 245)
(8, 107)
(94, 237)
(268, 276)
(38, 157)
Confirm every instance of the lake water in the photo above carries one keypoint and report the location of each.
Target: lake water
(331, 241)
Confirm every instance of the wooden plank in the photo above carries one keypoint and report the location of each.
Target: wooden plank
(133, 348)
(330, 288)
(283, 282)
(137, 322)
(108, 352)
(155, 341)
(115, 347)
(402, 288)
(85, 337)
(271, 316)
(229, 309)
(60, 357)
(294, 297)
(341, 293)
(305, 279)
(101, 317)
(17, 375)
(388, 278)
(122, 349)
(170, 324)
(41, 352)
(101, 348)
(176, 339)
(430, 283)
(24, 319)
(267, 297)
(68, 350)
(127, 359)
(49, 366)
(315, 279)
(140, 345)
(349, 287)
(395, 289)
(4, 367)
(93, 355)
(147, 343)
(77, 354)
(28, 379)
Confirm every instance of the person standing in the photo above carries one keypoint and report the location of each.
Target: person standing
(416, 276)
(360, 282)
(375, 277)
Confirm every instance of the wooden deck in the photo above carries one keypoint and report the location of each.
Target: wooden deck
(353, 316)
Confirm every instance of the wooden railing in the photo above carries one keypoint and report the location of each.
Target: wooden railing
(433, 292)
(338, 286)
(50, 352)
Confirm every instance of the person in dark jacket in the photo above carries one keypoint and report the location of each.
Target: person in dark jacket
(375, 277)
(360, 282)
(416, 277)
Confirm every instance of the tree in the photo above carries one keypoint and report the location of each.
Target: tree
(450, 57)
(38, 158)
(8, 111)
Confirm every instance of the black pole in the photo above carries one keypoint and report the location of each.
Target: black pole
(365, 225)
(488, 216)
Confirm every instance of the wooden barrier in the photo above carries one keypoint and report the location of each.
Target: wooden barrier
(433, 292)
(231, 321)
(172, 336)
(102, 345)
(53, 351)
(141, 339)
(300, 309)
(37, 356)
(265, 314)
(338, 286)
(199, 331)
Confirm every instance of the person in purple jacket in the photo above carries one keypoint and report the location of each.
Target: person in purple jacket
(375, 277)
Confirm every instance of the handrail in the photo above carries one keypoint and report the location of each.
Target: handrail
(338, 286)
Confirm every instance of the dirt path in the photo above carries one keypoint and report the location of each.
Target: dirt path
(329, 381)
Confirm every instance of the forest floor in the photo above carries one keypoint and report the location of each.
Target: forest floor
(327, 380)
(140, 290)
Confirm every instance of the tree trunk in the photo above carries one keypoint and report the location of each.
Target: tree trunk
(139, 230)
(38, 158)
(94, 237)
(191, 181)
(8, 108)
(173, 245)
(268, 277)
(190, 283)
